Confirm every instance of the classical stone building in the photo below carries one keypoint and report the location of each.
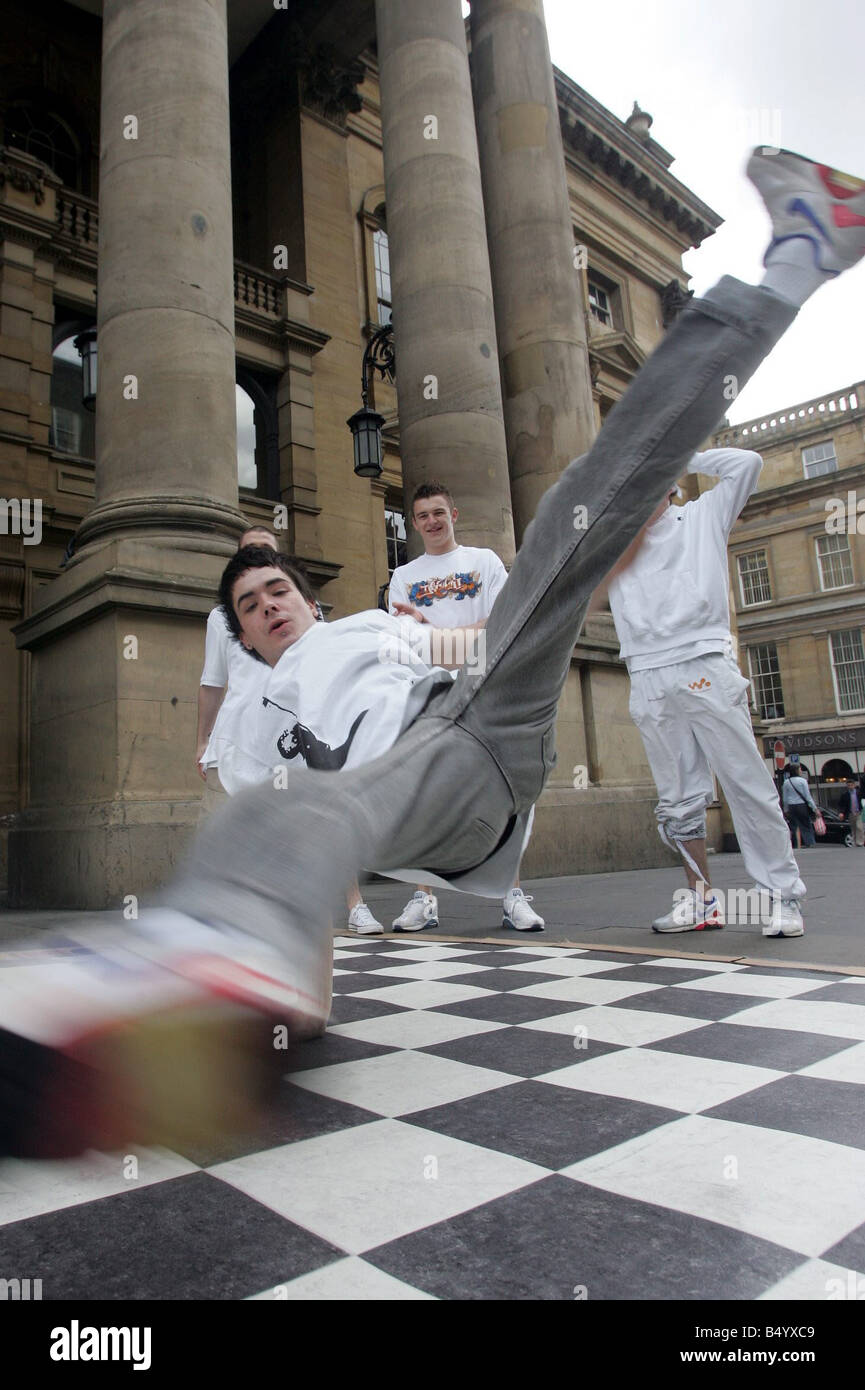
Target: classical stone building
(234, 202)
(797, 574)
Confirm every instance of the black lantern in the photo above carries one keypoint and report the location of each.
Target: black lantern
(366, 424)
(86, 346)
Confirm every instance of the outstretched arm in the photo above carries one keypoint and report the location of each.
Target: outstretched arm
(209, 700)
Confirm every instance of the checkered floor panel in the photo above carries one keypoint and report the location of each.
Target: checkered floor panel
(484, 1122)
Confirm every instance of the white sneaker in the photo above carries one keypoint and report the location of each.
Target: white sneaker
(517, 913)
(420, 911)
(691, 913)
(361, 920)
(810, 200)
(786, 919)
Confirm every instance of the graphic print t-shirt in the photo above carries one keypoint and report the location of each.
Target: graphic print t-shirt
(452, 590)
(338, 697)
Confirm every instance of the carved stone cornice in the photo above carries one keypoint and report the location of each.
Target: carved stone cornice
(591, 132)
(329, 86)
(673, 300)
(25, 173)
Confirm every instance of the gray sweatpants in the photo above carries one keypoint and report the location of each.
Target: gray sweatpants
(277, 862)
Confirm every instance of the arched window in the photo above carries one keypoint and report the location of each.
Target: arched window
(836, 770)
(34, 128)
(72, 425)
(247, 474)
(257, 434)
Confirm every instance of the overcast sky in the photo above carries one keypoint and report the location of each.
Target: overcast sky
(719, 76)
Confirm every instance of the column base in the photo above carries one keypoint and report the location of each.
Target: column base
(171, 518)
(117, 647)
(99, 856)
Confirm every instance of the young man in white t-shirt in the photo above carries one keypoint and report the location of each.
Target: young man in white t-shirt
(229, 669)
(449, 586)
(669, 599)
(155, 1031)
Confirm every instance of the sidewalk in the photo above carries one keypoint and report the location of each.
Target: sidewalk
(615, 910)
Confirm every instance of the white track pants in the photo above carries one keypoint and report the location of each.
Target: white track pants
(693, 719)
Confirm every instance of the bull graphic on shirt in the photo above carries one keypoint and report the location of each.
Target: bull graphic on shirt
(424, 592)
(299, 741)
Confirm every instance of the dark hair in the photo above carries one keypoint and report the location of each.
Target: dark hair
(430, 489)
(258, 557)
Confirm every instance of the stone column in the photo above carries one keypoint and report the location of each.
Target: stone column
(448, 386)
(117, 638)
(547, 389)
(165, 423)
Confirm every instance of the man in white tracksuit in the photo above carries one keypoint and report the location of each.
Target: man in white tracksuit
(689, 700)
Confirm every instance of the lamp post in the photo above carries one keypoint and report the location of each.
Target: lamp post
(365, 424)
(85, 343)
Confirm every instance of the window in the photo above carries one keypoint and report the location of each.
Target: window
(65, 430)
(382, 276)
(257, 432)
(31, 127)
(848, 668)
(819, 459)
(599, 304)
(72, 425)
(247, 473)
(394, 524)
(754, 578)
(836, 563)
(765, 676)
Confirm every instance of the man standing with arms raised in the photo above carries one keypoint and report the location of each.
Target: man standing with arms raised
(450, 586)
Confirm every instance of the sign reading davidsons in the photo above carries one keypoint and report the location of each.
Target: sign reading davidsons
(823, 742)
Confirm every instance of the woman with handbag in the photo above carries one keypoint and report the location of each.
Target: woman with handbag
(799, 808)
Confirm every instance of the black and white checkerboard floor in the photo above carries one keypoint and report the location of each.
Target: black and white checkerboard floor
(502, 1122)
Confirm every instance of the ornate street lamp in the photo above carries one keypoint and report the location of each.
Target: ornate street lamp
(86, 346)
(365, 424)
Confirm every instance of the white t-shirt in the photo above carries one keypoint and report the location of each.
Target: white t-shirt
(452, 590)
(227, 662)
(670, 604)
(339, 696)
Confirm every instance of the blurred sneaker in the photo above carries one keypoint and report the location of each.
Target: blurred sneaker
(812, 201)
(420, 911)
(786, 919)
(690, 912)
(361, 920)
(518, 914)
(176, 1037)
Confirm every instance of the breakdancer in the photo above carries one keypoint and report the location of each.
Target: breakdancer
(161, 1032)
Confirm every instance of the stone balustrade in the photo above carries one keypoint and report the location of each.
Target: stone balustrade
(750, 433)
(254, 289)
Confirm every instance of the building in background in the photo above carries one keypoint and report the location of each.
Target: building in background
(797, 573)
(260, 196)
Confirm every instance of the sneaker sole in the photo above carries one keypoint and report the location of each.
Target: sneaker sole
(181, 1078)
(791, 934)
(423, 926)
(677, 931)
(506, 922)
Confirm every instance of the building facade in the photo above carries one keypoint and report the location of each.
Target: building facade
(232, 200)
(797, 575)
